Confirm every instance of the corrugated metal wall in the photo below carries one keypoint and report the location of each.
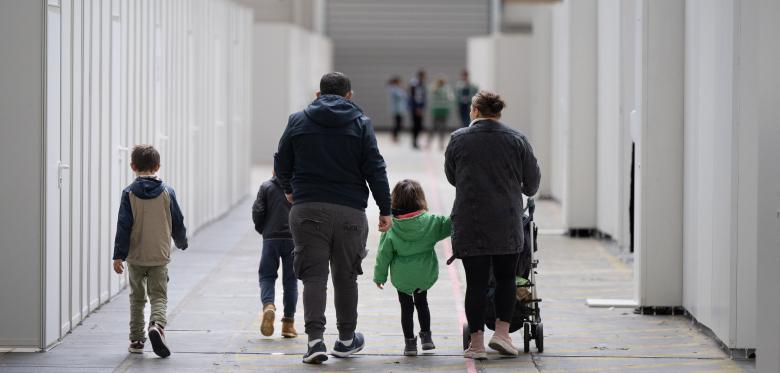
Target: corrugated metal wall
(175, 74)
(375, 39)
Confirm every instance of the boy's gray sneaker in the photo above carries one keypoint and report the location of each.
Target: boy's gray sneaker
(426, 341)
(411, 347)
(316, 354)
(342, 350)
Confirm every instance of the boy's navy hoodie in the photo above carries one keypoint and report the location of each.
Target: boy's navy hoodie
(146, 188)
(327, 154)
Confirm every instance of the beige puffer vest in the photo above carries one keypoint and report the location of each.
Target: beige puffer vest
(150, 239)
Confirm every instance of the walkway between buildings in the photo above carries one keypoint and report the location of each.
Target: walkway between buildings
(214, 304)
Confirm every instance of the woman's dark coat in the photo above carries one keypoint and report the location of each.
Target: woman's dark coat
(491, 167)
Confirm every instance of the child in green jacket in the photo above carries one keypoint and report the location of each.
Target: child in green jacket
(407, 250)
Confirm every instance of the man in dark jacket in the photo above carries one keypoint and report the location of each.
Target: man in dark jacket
(271, 214)
(327, 154)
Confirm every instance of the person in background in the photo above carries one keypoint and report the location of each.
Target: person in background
(149, 217)
(328, 159)
(441, 105)
(418, 96)
(465, 90)
(396, 99)
(271, 213)
(491, 166)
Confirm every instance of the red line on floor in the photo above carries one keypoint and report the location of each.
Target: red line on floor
(451, 270)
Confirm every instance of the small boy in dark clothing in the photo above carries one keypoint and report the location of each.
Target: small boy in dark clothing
(270, 213)
(149, 217)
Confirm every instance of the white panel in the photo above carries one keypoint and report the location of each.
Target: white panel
(611, 208)
(66, 100)
(52, 243)
(560, 103)
(659, 168)
(77, 171)
(22, 146)
(541, 86)
(721, 171)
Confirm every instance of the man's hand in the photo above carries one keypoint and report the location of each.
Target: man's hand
(118, 267)
(289, 197)
(385, 222)
(380, 285)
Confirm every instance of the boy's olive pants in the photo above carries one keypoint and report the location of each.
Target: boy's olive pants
(154, 282)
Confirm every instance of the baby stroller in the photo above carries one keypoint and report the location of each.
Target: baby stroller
(526, 314)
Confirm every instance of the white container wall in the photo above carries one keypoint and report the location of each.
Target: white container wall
(175, 74)
(574, 111)
(501, 63)
(721, 172)
(289, 62)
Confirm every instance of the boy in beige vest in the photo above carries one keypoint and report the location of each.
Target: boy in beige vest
(148, 217)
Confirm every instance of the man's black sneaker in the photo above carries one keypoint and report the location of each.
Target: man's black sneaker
(157, 337)
(411, 347)
(316, 354)
(136, 347)
(426, 341)
(342, 350)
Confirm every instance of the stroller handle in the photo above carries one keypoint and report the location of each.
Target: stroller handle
(531, 207)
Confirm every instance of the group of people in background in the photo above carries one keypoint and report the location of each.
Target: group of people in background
(438, 99)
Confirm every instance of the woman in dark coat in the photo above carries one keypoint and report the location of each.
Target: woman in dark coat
(491, 167)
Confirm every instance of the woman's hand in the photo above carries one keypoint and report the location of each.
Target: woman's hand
(381, 286)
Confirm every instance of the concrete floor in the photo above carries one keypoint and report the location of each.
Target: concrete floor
(214, 326)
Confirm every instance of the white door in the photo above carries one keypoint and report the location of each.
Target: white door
(55, 170)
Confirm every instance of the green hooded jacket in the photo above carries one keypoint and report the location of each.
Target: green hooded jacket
(407, 250)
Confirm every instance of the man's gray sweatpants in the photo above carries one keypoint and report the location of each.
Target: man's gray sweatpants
(328, 234)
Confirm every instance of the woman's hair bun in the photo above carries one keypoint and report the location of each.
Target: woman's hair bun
(488, 103)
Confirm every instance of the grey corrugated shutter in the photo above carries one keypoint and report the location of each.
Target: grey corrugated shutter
(376, 39)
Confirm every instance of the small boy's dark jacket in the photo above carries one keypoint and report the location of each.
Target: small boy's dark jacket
(271, 211)
(328, 153)
(146, 188)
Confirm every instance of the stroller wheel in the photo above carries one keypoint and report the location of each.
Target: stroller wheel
(539, 337)
(466, 336)
(526, 337)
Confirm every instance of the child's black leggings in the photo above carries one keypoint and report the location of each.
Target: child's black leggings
(408, 303)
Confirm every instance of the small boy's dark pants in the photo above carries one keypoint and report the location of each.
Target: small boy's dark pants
(408, 303)
(273, 251)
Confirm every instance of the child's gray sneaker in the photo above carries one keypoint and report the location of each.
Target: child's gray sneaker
(426, 340)
(316, 354)
(411, 347)
(342, 350)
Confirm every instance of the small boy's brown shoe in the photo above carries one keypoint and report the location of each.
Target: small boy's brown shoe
(288, 327)
(268, 317)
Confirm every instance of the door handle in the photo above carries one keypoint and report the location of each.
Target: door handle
(63, 166)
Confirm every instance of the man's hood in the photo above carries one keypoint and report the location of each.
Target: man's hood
(147, 187)
(332, 111)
